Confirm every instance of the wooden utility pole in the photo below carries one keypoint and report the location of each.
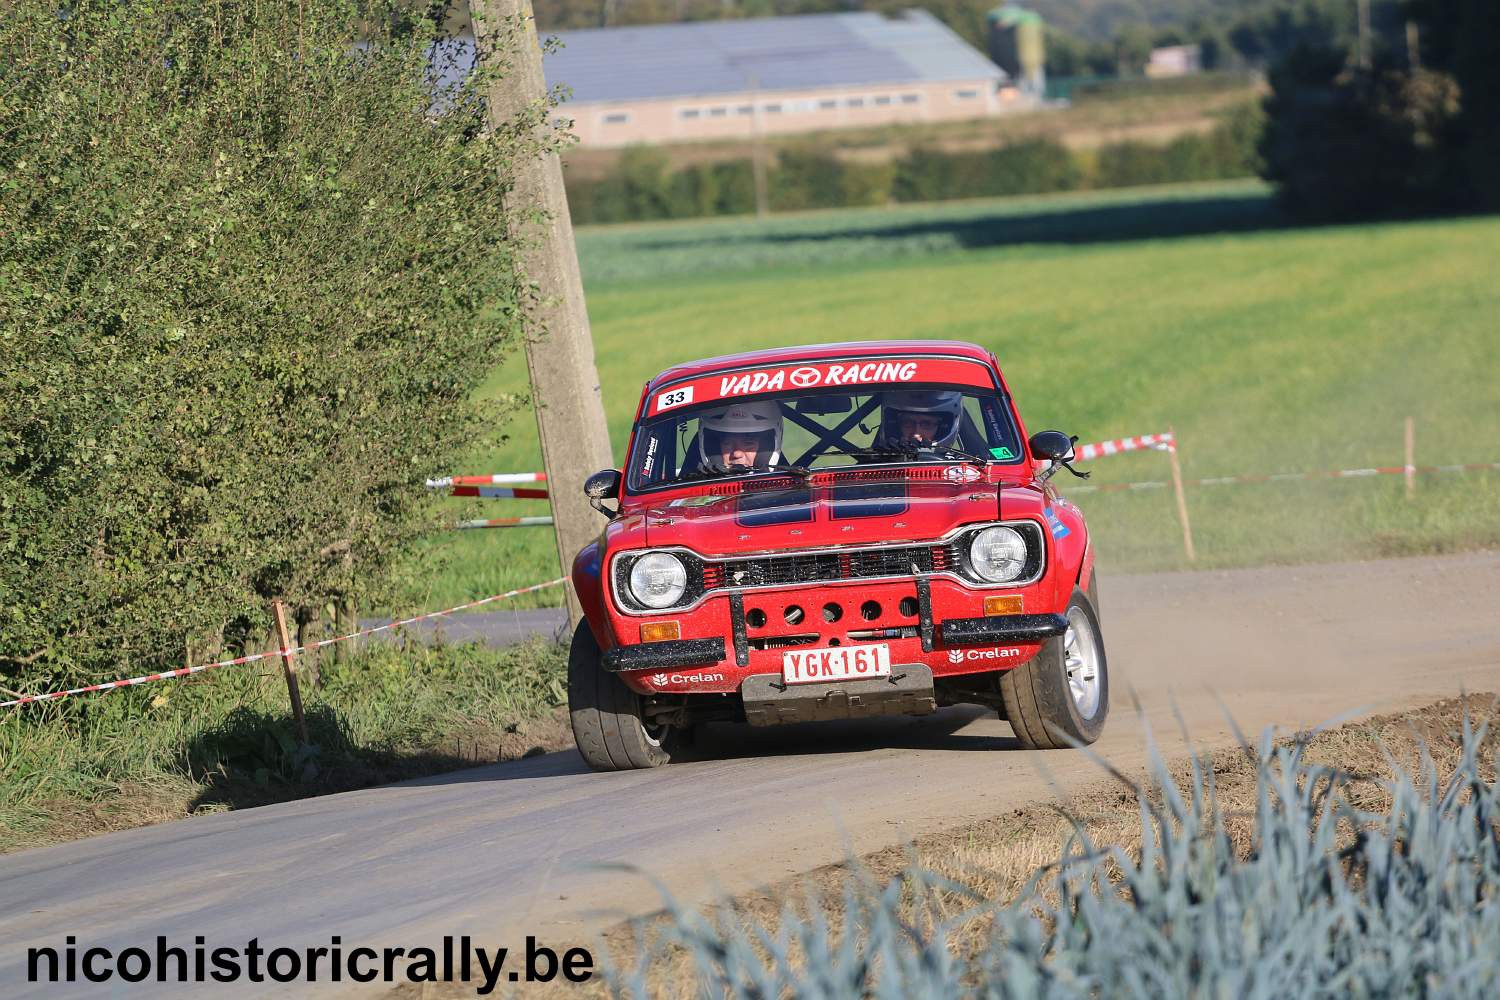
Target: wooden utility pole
(559, 349)
(758, 152)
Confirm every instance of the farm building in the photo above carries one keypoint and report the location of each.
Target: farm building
(735, 79)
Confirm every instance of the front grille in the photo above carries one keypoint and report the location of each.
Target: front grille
(858, 564)
(781, 570)
(890, 562)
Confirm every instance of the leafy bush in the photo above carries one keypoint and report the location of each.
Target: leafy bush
(1330, 898)
(1036, 166)
(805, 179)
(251, 273)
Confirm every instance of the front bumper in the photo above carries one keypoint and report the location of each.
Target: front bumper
(729, 638)
(996, 629)
(662, 655)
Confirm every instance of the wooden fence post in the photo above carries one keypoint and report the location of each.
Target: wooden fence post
(289, 668)
(1411, 458)
(1182, 512)
(343, 612)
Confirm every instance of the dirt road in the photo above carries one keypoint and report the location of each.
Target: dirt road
(508, 850)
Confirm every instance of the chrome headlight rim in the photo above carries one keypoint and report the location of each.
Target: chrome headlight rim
(984, 569)
(659, 561)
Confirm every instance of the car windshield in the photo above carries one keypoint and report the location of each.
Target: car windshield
(798, 432)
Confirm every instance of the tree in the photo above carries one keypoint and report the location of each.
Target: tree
(1343, 142)
(1458, 37)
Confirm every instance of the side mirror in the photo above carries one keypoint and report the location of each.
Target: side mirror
(1054, 446)
(601, 486)
(1057, 448)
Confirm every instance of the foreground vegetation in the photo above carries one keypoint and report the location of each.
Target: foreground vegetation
(1268, 348)
(227, 739)
(1362, 861)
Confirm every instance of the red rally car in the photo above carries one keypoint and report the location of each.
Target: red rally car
(832, 532)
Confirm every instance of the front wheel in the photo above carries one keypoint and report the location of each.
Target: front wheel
(608, 726)
(1061, 696)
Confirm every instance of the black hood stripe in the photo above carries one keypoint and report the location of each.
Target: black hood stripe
(757, 510)
(867, 500)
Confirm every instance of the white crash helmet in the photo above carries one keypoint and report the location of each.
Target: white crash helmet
(945, 404)
(761, 417)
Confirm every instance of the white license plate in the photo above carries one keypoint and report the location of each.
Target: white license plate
(841, 663)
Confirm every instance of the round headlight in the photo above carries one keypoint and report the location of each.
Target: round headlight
(658, 580)
(997, 554)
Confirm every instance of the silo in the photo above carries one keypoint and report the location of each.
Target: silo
(1017, 46)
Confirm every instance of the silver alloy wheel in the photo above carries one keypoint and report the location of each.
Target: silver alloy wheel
(1081, 661)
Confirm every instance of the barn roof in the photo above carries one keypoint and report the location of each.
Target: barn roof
(805, 52)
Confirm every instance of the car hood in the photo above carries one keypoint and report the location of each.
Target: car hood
(822, 515)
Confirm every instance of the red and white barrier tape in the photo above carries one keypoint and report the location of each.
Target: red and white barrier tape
(1157, 442)
(271, 654)
(1285, 477)
(499, 479)
(504, 522)
(499, 492)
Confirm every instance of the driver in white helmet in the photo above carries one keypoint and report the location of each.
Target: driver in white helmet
(919, 419)
(740, 437)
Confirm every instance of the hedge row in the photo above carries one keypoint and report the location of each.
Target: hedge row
(249, 280)
(643, 188)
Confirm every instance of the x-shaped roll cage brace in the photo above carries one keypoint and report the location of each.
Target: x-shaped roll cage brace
(828, 437)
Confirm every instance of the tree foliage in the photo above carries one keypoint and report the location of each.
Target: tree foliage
(1412, 131)
(252, 266)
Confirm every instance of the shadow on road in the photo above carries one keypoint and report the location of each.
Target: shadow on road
(254, 758)
(724, 741)
(939, 731)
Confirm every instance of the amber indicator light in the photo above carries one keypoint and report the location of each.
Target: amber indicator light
(1011, 604)
(660, 631)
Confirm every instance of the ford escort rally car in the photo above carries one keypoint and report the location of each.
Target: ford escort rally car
(832, 532)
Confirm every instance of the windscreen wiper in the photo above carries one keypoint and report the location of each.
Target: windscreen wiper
(967, 456)
(889, 452)
(686, 477)
(913, 452)
(801, 472)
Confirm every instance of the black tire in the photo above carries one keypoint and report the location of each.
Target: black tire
(607, 724)
(1038, 702)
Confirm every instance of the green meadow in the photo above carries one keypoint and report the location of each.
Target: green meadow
(1267, 348)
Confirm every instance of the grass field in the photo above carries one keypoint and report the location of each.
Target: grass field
(1268, 348)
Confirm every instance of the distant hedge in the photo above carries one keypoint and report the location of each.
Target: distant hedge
(643, 188)
(250, 272)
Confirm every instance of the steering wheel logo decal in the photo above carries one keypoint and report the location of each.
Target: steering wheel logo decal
(802, 378)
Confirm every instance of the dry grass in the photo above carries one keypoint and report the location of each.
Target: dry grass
(997, 858)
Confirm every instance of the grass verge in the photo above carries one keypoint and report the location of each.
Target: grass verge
(1268, 349)
(1364, 859)
(145, 755)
